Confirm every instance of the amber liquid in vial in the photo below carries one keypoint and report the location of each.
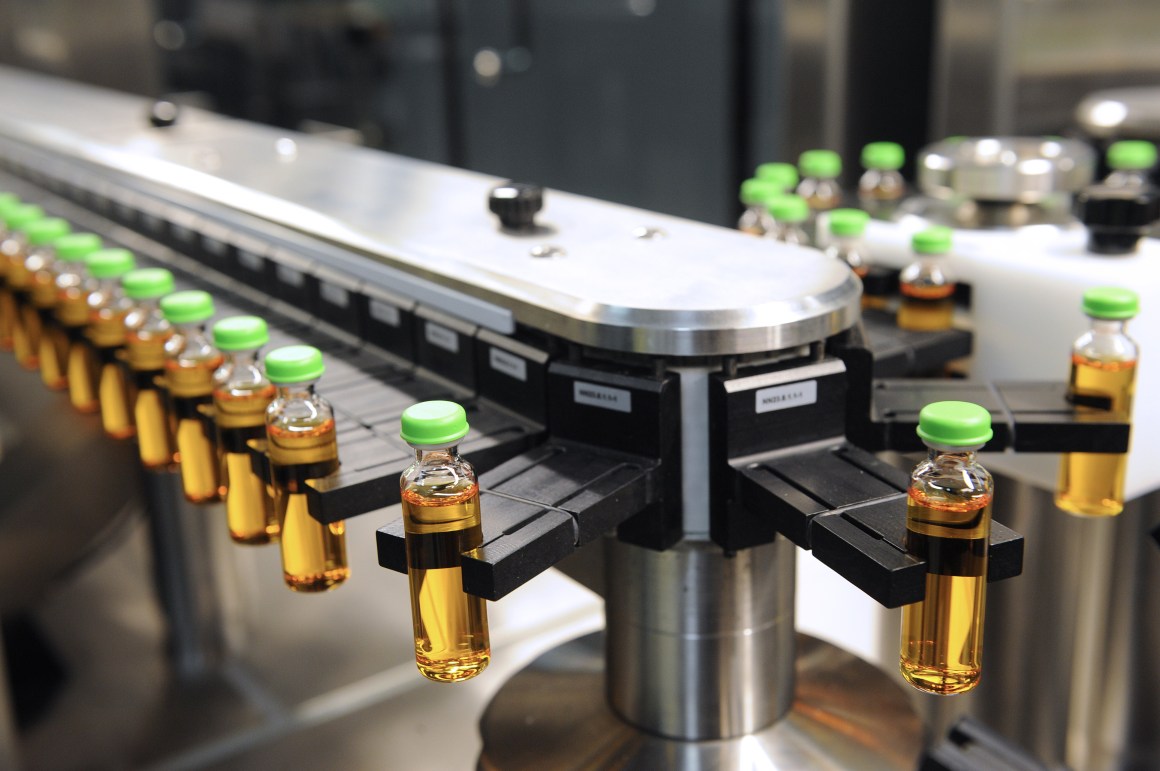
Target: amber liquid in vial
(451, 635)
(107, 332)
(53, 353)
(926, 308)
(942, 636)
(1092, 483)
(313, 554)
(27, 338)
(241, 416)
(82, 391)
(145, 354)
(191, 388)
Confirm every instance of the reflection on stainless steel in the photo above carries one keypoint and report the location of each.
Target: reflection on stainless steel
(1121, 112)
(845, 714)
(1021, 169)
(1071, 671)
(700, 645)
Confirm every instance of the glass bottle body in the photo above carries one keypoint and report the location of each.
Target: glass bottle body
(190, 361)
(241, 395)
(34, 303)
(1103, 364)
(928, 295)
(12, 252)
(850, 250)
(71, 314)
(107, 308)
(302, 445)
(755, 220)
(146, 332)
(1132, 178)
(948, 524)
(441, 518)
(880, 191)
(821, 193)
(788, 233)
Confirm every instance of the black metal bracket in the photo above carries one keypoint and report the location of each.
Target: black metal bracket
(849, 507)
(1026, 416)
(539, 508)
(902, 352)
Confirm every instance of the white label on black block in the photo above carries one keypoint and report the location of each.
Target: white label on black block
(335, 295)
(385, 312)
(509, 364)
(288, 275)
(250, 261)
(594, 395)
(783, 397)
(442, 337)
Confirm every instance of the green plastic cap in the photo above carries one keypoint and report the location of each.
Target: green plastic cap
(848, 222)
(1132, 155)
(823, 164)
(756, 191)
(187, 307)
(147, 283)
(936, 240)
(76, 247)
(46, 230)
(884, 156)
(8, 202)
(1110, 302)
(954, 424)
(784, 175)
(434, 424)
(240, 333)
(20, 217)
(294, 364)
(789, 208)
(109, 263)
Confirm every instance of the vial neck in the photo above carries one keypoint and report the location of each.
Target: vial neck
(960, 454)
(297, 391)
(243, 358)
(439, 455)
(109, 287)
(69, 267)
(1109, 326)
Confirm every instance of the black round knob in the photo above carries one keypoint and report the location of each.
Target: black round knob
(1117, 217)
(516, 204)
(163, 113)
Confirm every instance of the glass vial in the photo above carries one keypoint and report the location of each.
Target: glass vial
(790, 213)
(847, 226)
(441, 519)
(241, 395)
(1103, 365)
(65, 355)
(928, 293)
(783, 176)
(13, 250)
(190, 361)
(820, 170)
(948, 524)
(1131, 162)
(302, 445)
(146, 332)
(755, 220)
(107, 308)
(881, 187)
(35, 301)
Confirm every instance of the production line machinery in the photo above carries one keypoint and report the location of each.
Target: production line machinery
(681, 393)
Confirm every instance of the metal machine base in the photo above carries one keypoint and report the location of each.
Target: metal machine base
(846, 714)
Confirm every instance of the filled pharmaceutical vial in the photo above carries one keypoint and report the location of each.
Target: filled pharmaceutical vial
(926, 308)
(313, 554)
(82, 377)
(1092, 483)
(116, 417)
(190, 391)
(26, 340)
(105, 309)
(151, 416)
(53, 351)
(948, 526)
(942, 636)
(450, 626)
(241, 416)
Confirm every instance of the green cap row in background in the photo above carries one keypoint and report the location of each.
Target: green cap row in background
(935, 240)
(45, 230)
(21, 216)
(240, 333)
(188, 307)
(294, 364)
(147, 283)
(789, 208)
(1131, 155)
(109, 263)
(75, 247)
(848, 222)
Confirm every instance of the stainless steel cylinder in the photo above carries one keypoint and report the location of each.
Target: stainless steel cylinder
(700, 644)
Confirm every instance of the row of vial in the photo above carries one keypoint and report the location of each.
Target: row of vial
(124, 343)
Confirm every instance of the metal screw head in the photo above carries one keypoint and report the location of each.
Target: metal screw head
(516, 204)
